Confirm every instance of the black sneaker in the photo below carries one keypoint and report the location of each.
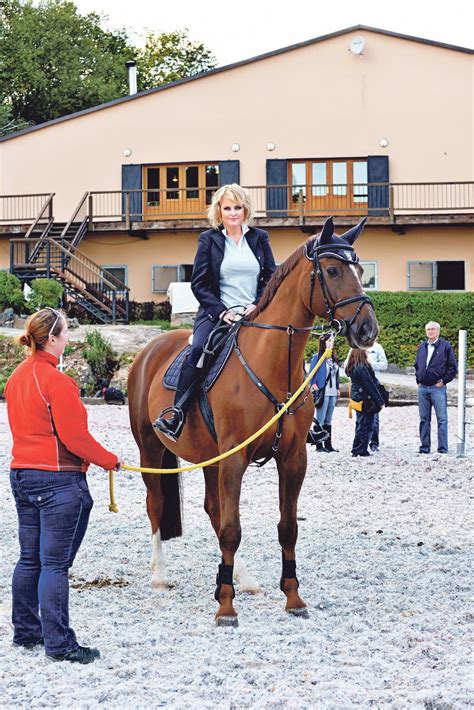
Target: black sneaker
(81, 654)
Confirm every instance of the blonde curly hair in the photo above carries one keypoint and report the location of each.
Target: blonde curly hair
(232, 192)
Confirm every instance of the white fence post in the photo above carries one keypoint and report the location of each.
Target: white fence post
(461, 435)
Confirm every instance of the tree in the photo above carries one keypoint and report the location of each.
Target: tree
(171, 56)
(54, 61)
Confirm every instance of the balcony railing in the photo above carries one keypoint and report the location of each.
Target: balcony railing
(287, 201)
(25, 208)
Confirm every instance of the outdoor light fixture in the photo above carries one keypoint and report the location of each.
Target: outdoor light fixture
(127, 152)
(235, 147)
(271, 146)
(383, 142)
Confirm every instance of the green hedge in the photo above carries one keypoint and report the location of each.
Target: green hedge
(402, 317)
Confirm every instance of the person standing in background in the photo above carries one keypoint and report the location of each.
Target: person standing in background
(435, 366)
(378, 361)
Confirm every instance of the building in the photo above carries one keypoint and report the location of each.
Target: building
(361, 121)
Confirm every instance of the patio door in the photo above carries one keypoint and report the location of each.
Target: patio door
(328, 186)
(179, 190)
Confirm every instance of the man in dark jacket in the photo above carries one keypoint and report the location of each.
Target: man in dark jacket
(435, 366)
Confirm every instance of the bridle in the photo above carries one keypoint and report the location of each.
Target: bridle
(344, 252)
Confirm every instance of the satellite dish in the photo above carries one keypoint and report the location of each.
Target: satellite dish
(357, 45)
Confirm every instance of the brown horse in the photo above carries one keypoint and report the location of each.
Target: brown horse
(321, 278)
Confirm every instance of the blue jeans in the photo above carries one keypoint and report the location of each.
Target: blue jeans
(326, 410)
(53, 512)
(363, 430)
(374, 437)
(432, 396)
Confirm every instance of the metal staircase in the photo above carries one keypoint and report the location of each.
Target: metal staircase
(50, 250)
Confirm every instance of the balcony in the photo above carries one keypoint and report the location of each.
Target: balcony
(275, 206)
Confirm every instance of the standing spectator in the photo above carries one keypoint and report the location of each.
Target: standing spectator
(364, 387)
(52, 448)
(326, 379)
(435, 366)
(378, 361)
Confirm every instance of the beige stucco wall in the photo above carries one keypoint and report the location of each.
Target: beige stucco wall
(316, 101)
(391, 252)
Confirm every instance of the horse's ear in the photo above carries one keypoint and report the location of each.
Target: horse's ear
(352, 234)
(327, 231)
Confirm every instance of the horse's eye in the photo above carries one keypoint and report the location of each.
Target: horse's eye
(332, 271)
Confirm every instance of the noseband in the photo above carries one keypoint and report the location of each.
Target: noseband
(349, 256)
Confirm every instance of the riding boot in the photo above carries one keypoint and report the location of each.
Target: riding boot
(316, 435)
(328, 443)
(187, 383)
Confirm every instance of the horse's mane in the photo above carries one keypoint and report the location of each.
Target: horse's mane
(278, 276)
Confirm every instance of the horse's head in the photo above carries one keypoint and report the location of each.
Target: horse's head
(336, 289)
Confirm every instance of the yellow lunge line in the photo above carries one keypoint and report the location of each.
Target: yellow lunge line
(209, 462)
(113, 506)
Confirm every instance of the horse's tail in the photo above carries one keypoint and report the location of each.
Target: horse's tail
(171, 489)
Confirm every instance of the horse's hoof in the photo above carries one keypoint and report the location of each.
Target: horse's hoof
(300, 613)
(227, 621)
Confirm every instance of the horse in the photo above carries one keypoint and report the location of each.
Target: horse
(321, 278)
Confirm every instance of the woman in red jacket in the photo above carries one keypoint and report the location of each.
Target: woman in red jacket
(52, 449)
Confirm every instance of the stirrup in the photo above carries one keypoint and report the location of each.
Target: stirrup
(161, 425)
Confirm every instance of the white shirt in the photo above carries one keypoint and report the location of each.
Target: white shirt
(239, 272)
(429, 351)
(376, 356)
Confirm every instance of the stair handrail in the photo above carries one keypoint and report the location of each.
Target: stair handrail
(74, 215)
(49, 204)
(92, 267)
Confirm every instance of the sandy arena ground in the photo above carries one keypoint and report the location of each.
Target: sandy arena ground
(383, 559)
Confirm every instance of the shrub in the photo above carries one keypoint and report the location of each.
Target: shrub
(149, 311)
(11, 294)
(402, 317)
(100, 356)
(44, 292)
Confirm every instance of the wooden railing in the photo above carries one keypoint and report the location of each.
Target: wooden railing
(24, 208)
(280, 201)
(76, 269)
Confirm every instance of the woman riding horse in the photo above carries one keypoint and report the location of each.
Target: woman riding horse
(233, 264)
(321, 278)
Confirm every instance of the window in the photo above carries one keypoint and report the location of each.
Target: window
(370, 276)
(179, 189)
(164, 274)
(120, 272)
(436, 275)
(323, 184)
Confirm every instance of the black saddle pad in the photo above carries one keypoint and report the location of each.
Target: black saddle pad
(170, 380)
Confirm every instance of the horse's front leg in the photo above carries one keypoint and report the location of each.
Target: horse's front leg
(291, 471)
(247, 583)
(230, 482)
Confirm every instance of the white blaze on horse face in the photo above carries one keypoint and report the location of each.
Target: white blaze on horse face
(158, 579)
(354, 271)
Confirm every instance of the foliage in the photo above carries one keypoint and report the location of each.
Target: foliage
(149, 311)
(44, 292)
(402, 317)
(56, 61)
(11, 355)
(11, 294)
(168, 57)
(100, 355)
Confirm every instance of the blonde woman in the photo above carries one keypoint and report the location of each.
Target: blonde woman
(52, 449)
(233, 264)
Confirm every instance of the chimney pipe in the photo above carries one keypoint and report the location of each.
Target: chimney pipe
(132, 77)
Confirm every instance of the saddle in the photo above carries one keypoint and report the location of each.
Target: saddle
(216, 352)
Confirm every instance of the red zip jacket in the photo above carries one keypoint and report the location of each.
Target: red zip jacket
(48, 420)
